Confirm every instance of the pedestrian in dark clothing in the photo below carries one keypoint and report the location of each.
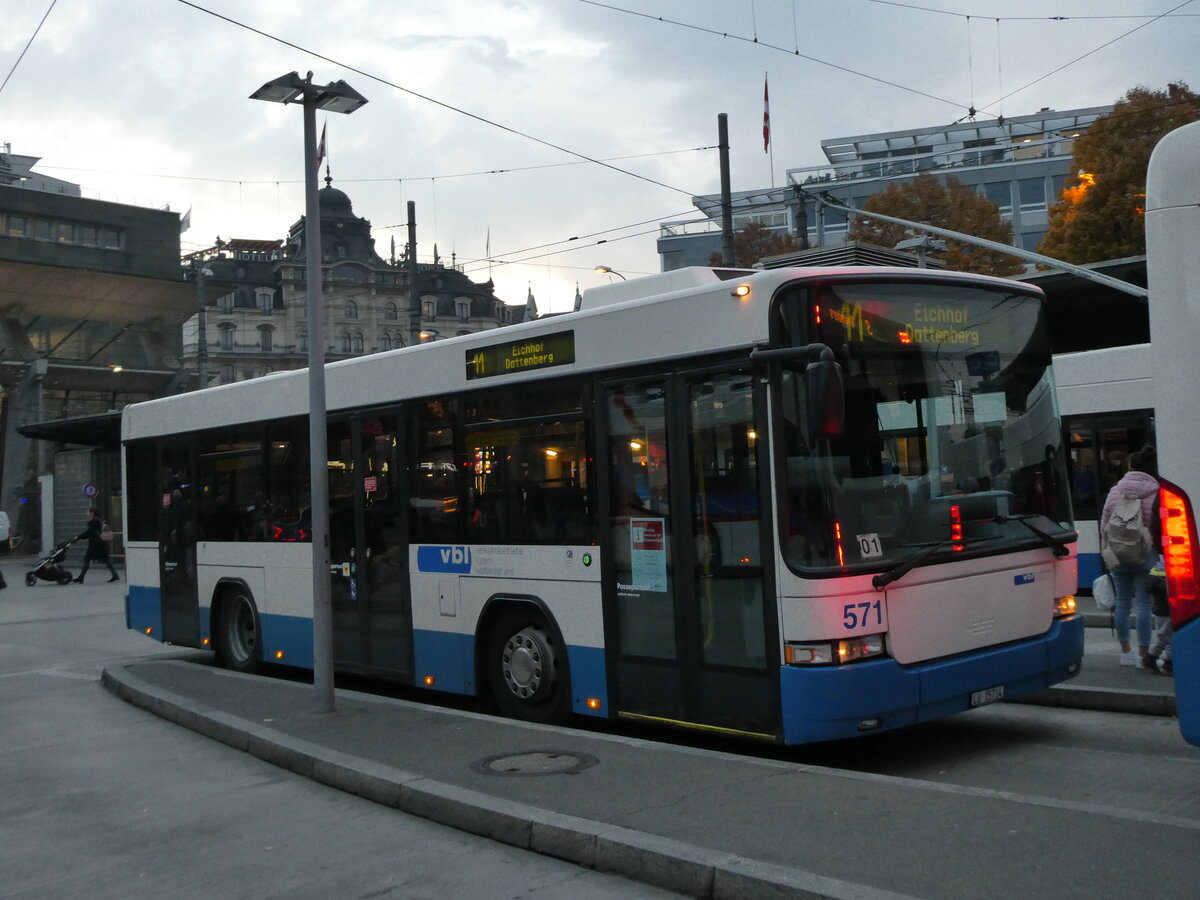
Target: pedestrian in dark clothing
(97, 548)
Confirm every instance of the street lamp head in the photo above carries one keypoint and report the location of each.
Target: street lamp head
(284, 89)
(608, 270)
(337, 96)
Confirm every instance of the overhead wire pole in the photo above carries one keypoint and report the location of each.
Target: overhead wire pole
(1028, 255)
(728, 257)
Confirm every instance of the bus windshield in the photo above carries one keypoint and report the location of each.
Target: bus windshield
(951, 444)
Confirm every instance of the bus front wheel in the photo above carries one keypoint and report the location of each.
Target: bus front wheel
(527, 667)
(236, 633)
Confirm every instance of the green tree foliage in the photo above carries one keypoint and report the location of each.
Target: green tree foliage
(1100, 214)
(755, 242)
(951, 205)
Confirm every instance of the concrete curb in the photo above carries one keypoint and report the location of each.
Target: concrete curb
(1101, 699)
(684, 868)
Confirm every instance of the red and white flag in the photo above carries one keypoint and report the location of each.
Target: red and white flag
(321, 147)
(766, 117)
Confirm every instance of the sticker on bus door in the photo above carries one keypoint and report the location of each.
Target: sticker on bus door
(648, 554)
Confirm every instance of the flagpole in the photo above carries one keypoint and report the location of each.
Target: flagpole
(770, 150)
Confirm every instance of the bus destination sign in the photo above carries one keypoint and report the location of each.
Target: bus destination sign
(511, 357)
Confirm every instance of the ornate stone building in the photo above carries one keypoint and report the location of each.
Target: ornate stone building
(371, 304)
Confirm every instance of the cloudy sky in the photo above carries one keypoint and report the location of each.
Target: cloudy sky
(552, 135)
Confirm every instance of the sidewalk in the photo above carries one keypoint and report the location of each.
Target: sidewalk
(1103, 683)
(699, 822)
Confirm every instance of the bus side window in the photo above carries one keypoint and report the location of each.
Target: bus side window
(437, 488)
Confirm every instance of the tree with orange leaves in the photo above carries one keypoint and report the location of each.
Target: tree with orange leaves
(950, 205)
(1100, 214)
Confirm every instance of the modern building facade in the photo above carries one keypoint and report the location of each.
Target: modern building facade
(1019, 163)
(91, 304)
(371, 304)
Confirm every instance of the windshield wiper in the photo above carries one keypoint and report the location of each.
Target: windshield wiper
(1058, 545)
(883, 579)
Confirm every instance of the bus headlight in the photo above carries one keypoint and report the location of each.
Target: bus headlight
(1064, 606)
(824, 653)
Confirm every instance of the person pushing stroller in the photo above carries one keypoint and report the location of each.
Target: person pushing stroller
(97, 548)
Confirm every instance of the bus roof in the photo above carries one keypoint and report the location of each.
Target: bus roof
(689, 312)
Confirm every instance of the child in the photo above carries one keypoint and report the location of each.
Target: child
(1158, 659)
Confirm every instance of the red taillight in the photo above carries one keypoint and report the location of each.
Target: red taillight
(1179, 552)
(956, 532)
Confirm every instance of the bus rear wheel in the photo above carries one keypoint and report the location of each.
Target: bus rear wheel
(236, 633)
(527, 668)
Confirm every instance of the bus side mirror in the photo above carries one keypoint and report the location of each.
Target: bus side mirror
(826, 397)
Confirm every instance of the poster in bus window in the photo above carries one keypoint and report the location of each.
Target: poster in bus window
(648, 554)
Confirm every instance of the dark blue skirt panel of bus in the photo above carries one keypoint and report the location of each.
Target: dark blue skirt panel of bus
(835, 702)
(1185, 657)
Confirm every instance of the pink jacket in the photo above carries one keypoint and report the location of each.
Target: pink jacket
(1140, 485)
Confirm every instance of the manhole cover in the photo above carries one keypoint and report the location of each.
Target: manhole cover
(535, 762)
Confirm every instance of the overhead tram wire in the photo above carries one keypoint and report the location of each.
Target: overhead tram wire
(388, 180)
(759, 43)
(495, 261)
(28, 43)
(1093, 50)
(428, 99)
(848, 70)
(950, 12)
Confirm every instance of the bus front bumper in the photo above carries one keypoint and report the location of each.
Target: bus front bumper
(830, 703)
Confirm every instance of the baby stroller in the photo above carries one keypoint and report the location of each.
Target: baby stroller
(50, 568)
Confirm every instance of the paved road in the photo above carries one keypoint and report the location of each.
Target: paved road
(100, 799)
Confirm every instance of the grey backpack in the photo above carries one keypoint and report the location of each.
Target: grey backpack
(1127, 540)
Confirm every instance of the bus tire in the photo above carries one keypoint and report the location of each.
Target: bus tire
(526, 665)
(237, 635)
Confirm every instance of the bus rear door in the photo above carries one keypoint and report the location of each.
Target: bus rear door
(177, 544)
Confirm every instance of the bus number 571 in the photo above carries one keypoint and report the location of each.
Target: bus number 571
(862, 614)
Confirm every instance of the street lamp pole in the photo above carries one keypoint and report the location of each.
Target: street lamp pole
(318, 451)
(335, 97)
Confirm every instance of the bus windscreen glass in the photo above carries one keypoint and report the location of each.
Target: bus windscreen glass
(951, 444)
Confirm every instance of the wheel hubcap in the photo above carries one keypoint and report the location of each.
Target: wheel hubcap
(529, 662)
(242, 635)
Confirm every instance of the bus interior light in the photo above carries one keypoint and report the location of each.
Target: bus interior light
(1064, 606)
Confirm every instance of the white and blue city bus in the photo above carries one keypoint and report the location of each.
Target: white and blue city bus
(1173, 263)
(792, 505)
(1106, 400)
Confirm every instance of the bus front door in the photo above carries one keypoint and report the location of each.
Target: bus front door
(177, 546)
(686, 570)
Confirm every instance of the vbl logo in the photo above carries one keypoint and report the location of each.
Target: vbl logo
(444, 559)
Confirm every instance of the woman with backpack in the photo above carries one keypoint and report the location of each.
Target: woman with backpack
(1129, 540)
